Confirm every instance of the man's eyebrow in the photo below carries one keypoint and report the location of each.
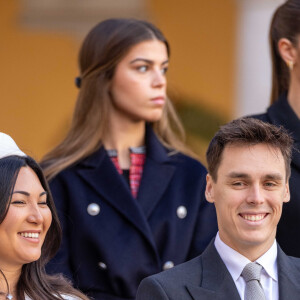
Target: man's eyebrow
(27, 194)
(237, 175)
(148, 61)
(272, 176)
(275, 176)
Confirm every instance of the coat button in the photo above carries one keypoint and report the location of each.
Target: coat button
(102, 265)
(181, 212)
(168, 265)
(93, 209)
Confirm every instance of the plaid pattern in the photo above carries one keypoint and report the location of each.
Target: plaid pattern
(137, 159)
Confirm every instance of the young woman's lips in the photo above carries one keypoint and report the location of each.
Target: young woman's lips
(32, 236)
(158, 100)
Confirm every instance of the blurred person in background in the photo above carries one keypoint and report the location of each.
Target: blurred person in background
(129, 195)
(285, 109)
(30, 233)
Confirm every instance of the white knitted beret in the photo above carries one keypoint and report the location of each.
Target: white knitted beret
(8, 146)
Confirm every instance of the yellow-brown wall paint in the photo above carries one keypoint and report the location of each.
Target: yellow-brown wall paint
(36, 82)
(202, 38)
(38, 67)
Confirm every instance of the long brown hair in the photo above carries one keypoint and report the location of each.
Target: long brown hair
(285, 24)
(33, 280)
(103, 48)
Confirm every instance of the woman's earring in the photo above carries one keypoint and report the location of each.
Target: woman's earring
(290, 65)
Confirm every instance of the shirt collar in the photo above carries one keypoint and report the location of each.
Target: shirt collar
(235, 262)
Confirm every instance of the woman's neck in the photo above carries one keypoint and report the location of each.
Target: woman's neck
(294, 95)
(12, 277)
(123, 136)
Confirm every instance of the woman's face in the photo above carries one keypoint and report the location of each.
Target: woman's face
(23, 231)
(138, 88)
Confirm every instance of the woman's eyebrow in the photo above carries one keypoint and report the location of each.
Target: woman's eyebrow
(28, 194)
(148, 61)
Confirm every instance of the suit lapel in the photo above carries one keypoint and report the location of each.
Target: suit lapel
(100, 174)
(281, 113)
(157, 174)
(216, 281)
(288, 277)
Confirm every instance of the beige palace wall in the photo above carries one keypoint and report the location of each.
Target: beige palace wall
(38, 67)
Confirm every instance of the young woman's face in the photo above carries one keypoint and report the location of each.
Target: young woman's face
(138, 88)
(23, 231)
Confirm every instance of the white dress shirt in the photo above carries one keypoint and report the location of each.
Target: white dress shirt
(235, 263)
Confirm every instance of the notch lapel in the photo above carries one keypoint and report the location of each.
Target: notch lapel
(216, 282)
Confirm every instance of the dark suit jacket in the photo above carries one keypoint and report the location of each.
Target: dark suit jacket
(281, 114)
(207, 278)
(107, 255)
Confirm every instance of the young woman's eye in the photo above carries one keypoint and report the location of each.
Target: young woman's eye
(164, 70)
(43, 203)
(142, 69)
(17, 202)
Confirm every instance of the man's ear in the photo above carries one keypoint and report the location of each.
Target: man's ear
(287, 195)
(209, 191)
(287, 51)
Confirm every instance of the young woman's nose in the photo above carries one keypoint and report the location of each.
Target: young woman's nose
(159, 78)
(35, 215)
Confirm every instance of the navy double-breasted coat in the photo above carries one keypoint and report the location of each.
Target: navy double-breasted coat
(107, 253)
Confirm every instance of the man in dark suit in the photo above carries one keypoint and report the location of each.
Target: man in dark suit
(249, 168)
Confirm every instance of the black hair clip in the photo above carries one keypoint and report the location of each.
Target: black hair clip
(78, 82)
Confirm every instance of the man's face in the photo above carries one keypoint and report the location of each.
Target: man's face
(248, 195)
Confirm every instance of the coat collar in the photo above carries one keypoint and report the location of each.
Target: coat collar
(216, 281)
(99, 172)
(281, 113)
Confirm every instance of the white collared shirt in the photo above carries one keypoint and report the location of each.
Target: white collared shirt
(235, 263)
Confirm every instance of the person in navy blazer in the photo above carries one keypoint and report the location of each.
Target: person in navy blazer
(285, 109)
(249, 168)
(126, 213)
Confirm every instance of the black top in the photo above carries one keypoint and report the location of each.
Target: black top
(280, 113)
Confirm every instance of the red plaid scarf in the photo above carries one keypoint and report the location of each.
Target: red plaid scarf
(137, 159)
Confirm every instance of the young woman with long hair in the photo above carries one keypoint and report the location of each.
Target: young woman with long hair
(130, 199)
(30, 232)
(284, 110)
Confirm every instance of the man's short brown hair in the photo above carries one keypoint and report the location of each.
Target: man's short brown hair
(248, 131)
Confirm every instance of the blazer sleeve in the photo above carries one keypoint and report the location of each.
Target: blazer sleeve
(151, 289)
(61, 261)
(206, 227)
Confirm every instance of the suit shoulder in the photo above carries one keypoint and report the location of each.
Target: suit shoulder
(181, 274)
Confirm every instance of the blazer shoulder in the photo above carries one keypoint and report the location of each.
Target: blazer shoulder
(171, 284)
(186, 273)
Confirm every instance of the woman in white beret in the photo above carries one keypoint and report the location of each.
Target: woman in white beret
(30, 232)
